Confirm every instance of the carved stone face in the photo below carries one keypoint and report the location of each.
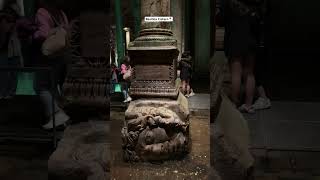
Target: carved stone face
(154, 133)
(153, 136)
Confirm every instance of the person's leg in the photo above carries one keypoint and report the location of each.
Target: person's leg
(262, 92)
(124, 91)
(112, 86)
(46, 99)
(60, 74)
(184, 84)
(262, 101)
(261, 78)
(60, 116)
(249, 80)
(191, 92)
(127, 98)
(42, 86)
(128, 89)
(188, 87)
(236, 74)
(260, 74)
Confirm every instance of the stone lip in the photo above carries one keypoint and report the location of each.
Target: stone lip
(180, 106)
(156, 47)
(154, 38)
(139, 93)
(157, 31)
(154, 42)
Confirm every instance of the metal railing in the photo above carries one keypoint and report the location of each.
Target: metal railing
(51, 88)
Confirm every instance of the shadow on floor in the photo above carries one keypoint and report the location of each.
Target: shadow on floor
(285, 138)
(24, 161)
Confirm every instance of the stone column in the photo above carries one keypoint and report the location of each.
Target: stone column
(177, 26)
(135, 5)
(153, 54)
(187, 25)
(202, 37)
(157, 121)
(29, 8)
(21, 7)
(155, 8)
(1, 4)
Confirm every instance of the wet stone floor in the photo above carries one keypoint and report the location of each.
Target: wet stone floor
(195, 166)
(24, 161)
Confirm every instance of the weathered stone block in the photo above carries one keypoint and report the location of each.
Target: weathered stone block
(82, 154)
(156, 129)
(230, 143)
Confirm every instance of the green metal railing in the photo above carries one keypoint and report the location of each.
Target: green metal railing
(25, 87)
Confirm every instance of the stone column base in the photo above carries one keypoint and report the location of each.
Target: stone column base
(230, 155)
(156, 130)
(83, 153)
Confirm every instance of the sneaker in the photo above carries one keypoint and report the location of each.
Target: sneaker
(192, 94)
(128, 100)
(262, 103)
(245, 109)
(61, 119)
(59, 90)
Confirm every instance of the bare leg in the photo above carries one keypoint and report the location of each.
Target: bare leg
(184, 83)
(125, 91)
(236, 73)
(249, 80)
(188, 87)
(125, 94)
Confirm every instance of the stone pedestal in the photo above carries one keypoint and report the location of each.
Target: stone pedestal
(156, 129)
(82, 154)
(230, 153)
(89, 68)
(153, 54)
(178, 7)
(157, 121)
(154, 67)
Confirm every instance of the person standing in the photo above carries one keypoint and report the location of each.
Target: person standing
(262, 102)
(125, 76)
(10, 47)
(241, 22)
(185, 74)
(114, 77)
(48, 18)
